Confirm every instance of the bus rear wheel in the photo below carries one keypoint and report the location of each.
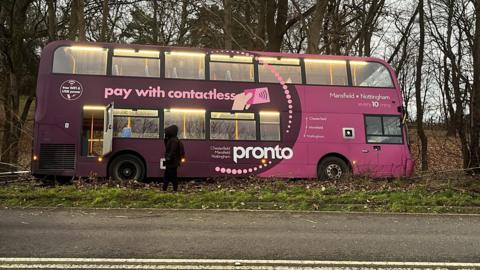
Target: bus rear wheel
(127, 167)
(332, 168)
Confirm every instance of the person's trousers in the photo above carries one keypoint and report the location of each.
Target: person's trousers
(170, 176)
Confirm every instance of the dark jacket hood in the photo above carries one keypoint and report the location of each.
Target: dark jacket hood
(171, 131)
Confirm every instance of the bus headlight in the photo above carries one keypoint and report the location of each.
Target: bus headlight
(100, 159)
(35, 157)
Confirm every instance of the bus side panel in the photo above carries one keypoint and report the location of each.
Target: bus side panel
(331, 123)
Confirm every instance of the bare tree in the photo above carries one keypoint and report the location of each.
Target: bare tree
(418, 89)
(475, 96)
(15, 51)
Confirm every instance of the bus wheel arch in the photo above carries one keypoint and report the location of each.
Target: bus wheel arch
(333, 166)
(127, 165)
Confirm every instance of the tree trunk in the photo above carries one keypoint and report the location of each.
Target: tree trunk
(155, 30)
(335, 31)
(316, 26)
(475, 96)
(81, 20)
(260, 29)
(374, 12)
(418, 89)
(270, 24)
(183, 23)
(6, 138)
(73, 25)
(105, 14)
(52, 18)
(451, 130)
(227, 23)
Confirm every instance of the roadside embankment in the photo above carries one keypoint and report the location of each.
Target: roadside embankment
(366, 195)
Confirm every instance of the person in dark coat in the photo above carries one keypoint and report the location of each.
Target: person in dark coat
(174, 153)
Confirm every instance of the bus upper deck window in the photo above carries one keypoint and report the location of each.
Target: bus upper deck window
(80, 60)
(370, 74)
(238, 68)
(126, 62)
(326, 72)
(185, 65)
(288, 68)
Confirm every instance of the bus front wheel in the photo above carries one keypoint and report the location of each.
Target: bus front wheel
(127, 167)
(332, 168)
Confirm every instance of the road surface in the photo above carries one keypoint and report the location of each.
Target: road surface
(242, 235)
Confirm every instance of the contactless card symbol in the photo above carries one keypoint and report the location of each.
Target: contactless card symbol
(244, 100)
(259, 95)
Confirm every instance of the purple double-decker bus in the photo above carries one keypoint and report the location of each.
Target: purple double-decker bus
(102, 109)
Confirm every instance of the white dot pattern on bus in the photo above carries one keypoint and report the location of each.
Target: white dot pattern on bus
(290, 113)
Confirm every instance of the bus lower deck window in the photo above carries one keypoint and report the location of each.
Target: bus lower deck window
(270, 126)
(190, 122)
(232, 126)
(129, 123)
(383, 129)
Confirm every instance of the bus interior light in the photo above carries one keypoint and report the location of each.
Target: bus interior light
(186, 53)
(139, 53)
(231, 58)
(84, 48)
(358, 63)
(149, 53)
(269, 113)
(326, 61)
(93, 108)
(115, 51)
(185, 110)
(280, 60)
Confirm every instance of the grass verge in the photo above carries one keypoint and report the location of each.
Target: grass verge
(277, 195)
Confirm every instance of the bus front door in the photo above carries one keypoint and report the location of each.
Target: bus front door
(108, 129)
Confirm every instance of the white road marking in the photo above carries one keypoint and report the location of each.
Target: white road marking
(195, 267)
(113, 263)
